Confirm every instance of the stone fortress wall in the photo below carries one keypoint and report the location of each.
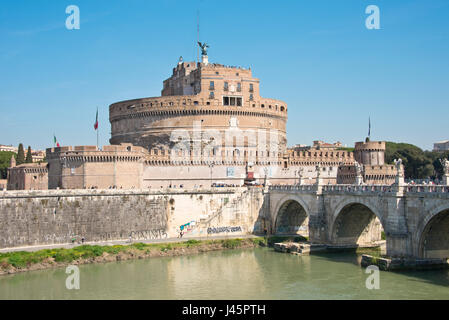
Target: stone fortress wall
(86, 167)
(371, 155)
(27, 176)
(58, 216)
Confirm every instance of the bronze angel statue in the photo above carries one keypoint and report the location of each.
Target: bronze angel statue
(203, 47)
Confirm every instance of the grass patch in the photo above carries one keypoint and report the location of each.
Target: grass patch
(231, 243)
(23, 259)
(375, 252)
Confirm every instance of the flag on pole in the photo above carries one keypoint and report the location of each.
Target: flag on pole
(369, 127)
(96, 121)
(55, 141)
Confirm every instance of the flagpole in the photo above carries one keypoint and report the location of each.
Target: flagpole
(96, 128)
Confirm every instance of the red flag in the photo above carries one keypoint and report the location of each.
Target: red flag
(96, 121)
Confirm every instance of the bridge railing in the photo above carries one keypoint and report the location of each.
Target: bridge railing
(351, 188)
(305, 187)
(427, 188)
(357, 188)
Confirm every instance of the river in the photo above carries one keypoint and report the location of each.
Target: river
(233, 274)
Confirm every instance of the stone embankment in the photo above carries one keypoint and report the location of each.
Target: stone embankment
(298, 248)
(396, 264)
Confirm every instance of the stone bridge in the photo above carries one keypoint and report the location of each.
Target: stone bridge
(414, 219)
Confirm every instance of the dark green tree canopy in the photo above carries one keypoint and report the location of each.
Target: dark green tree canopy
(418, 164)
(5, 159)
(20, 155)
(29, 158)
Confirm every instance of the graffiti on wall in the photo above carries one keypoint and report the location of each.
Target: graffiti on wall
(189, 228)
(223, 229)
(153, 234)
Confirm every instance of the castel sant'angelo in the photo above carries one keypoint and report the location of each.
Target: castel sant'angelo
(209, 126)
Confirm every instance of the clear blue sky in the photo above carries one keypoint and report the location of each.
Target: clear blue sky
(316, 55)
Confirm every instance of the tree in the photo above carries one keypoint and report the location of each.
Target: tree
(5, 158)
(20, 155)
(29, 158)
(418, 164)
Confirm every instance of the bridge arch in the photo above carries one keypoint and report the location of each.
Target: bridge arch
(291, 216)
(356, 222)
(433, 234)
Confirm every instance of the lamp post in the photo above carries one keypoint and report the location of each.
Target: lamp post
(265, 170)
(211, 165)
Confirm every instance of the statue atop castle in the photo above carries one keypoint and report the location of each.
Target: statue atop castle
(204, 57)
(203, 47)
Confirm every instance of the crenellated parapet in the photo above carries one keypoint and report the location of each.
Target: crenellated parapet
(314, 157)
(123, 153)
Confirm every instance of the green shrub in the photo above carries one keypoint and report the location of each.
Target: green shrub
(192, 242)
(231, 243)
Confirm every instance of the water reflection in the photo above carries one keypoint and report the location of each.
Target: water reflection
(234, 274)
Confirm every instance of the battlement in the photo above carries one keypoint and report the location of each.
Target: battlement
(122, 152)
(314, 156)
(372, 146)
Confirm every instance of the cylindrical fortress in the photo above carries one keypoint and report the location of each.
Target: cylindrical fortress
(202, 96)
(370, 153)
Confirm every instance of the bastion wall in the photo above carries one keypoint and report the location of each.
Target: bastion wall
(57, 216)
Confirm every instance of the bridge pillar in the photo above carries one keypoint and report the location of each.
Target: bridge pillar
(398, 245)
(317, 219)
(396, 229)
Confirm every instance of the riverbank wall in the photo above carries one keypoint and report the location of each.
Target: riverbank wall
(401, 264)
(31, 218)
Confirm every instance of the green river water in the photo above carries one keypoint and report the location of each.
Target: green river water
(234, 274)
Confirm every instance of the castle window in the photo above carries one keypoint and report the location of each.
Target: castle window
(232, 101)
(211, 85)
(211, 95)
(251, 97)
(237, 74)
(216, 72)
(239, 87)
(251, 87)
(262, 105)
(282, 108)
(226, 86)
(195, 103)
